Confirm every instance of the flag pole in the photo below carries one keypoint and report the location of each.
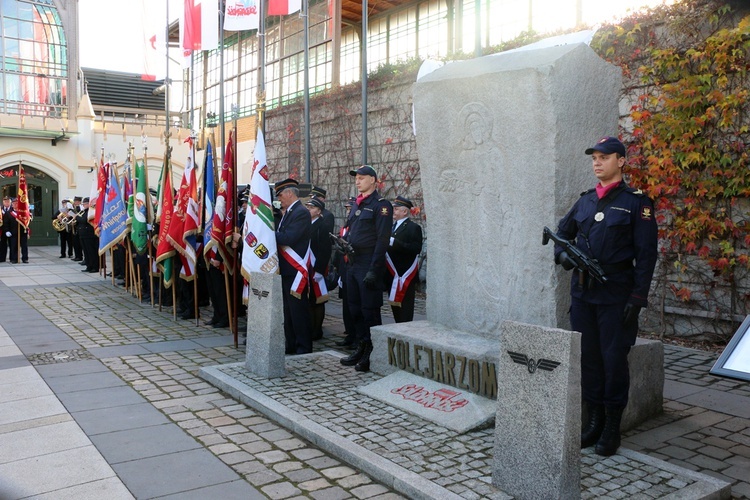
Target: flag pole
(306, 38)
(261, 95)
(364, 82)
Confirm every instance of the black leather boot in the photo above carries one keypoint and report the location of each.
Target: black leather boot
(592, 431)
(354, 357)
(610, 438)
(363, 365)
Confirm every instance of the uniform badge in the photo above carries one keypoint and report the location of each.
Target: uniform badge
(384, 211)
(646, 213)
(358, 212)
(599, 216)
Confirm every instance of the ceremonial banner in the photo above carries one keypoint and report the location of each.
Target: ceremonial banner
(223, 227)
(283, 7)
(102, 174)
(178, 232)
(241, 15)
(259, 252)
(23, 215)
(209, 200)
(142, 215)
(113, 224)
(164, 250)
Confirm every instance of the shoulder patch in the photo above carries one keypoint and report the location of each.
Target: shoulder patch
(647, 212)
(384, 211)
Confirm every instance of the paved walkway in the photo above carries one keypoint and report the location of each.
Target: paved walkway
(100, 398)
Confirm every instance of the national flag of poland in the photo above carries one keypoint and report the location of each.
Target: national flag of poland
(283, 7)
(200, 25)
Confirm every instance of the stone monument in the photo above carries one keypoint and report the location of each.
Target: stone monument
(264, 353)
(538, 423)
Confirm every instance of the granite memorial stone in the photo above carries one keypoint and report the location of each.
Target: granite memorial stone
(264, 353)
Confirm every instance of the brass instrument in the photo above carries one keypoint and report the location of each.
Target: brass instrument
(64, 223)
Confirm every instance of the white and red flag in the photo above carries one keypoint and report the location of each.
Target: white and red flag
(283, 7)
(199, 25)
(241, 15)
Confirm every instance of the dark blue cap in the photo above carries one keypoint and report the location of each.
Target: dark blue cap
(316, 202)
(607, 145)
(364, 170)
(400, 201)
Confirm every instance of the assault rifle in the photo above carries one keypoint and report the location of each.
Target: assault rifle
(584, 263)
(341, 245)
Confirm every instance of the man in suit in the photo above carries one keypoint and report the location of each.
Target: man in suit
(7, 229)
(320, 246)
(402, 260)
(293, 241)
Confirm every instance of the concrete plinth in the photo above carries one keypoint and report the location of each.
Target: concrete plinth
(265, 333)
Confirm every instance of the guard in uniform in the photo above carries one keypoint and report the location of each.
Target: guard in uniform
(402, 261)
(77, 249)
(614, 224)
(89, 240)
(293, 241)
(328, 218)
(320, 247)
(369, 231)
(21, 233)
(6, 230)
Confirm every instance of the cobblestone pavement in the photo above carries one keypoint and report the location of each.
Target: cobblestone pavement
(704, 428)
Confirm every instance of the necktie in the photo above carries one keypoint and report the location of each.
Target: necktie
(394, 227)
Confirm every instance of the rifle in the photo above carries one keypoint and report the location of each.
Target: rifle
(341, 245)
(584, 263)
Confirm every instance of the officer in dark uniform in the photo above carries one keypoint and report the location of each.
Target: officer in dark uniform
(293, 241)
(403, 252)
(89, 240)
(320, 247)
(77, 249)
(614, 224)
(328, 218)
(369, 230)
(7, 230)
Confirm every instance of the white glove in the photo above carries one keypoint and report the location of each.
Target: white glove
(7, 233)
(149, 227)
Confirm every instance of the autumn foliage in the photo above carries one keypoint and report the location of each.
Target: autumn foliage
(688, 74)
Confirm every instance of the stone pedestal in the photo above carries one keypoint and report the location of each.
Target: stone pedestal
(501, 143)
(537, 425)
(264, 353)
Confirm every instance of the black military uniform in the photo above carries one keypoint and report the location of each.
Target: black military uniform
(293, 241)
(76, 239)
(7, 230)
(403, 253)
(617, 227)
(369, 230)
(89, 240)
(19, 232)
(66, 242)
(320, 246)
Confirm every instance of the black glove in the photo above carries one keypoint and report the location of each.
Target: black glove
(565, 261)
(371, 280)
(630, 315)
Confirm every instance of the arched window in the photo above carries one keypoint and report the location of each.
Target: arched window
(33, 59)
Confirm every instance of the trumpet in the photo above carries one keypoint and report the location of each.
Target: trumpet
(63, 223)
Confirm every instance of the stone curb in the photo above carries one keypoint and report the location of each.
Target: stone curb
(381, 469)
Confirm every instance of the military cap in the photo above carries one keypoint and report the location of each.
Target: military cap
(400, 201)
(280, 186)
(6, 198)
(316, 202)
(350, 202)
(318, 191)
(77, 198)
(607, 145)
(86, 200)
(364, 170)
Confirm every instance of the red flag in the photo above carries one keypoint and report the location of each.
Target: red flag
(23, 215)
(101, 186)
(221, 232)
(183, 226)
(283, 7)
(164, 249)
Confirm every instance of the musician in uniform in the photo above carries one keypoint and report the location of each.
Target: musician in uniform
(369, 230)
(77, 249)
(614, 224)
(6, 230)
(89, 240)
(320, 246)
(61, 221)
(293, 240)
(402, 261)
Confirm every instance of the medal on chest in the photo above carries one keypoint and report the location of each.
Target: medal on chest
(358, 212)
(599, 216)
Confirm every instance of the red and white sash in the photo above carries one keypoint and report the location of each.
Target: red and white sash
(318, 283)
(300, 264)
(400, 283)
